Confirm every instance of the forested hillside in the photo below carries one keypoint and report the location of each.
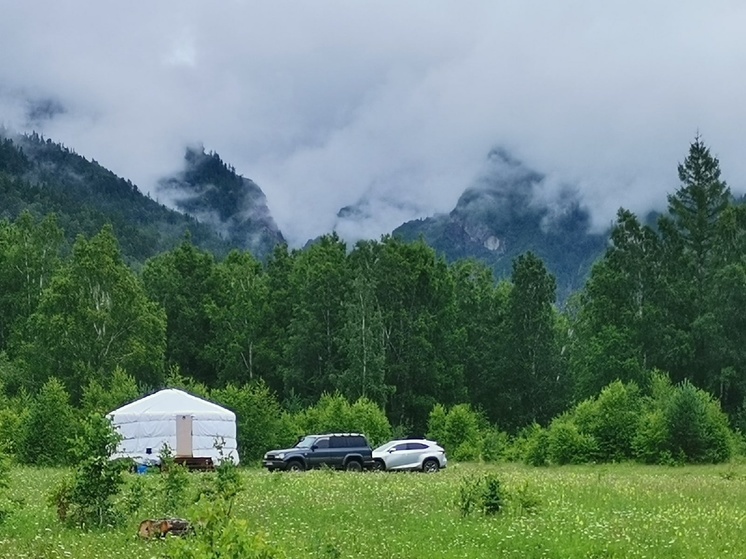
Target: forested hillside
(42, 177)
(391, 322)
(232, 205)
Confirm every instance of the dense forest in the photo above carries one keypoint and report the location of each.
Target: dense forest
(386, 321)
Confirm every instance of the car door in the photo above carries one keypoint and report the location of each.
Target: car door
(414, 454)
(397, 456)
(319, 453)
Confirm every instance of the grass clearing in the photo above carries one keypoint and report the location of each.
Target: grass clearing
(605, 511)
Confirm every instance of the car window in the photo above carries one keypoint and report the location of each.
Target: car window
(356, 441)
(322, 443)
(416, 446)
(338, 442)
(306, 442)
(401, 446)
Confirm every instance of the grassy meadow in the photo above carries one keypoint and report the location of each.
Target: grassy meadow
(621, 511)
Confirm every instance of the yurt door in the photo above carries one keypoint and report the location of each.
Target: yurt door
(183, 435)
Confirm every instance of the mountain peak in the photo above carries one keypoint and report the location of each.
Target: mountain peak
(212, 192)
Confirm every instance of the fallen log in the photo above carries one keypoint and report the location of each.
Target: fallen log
(162, 527)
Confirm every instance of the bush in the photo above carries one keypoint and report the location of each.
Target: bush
(480, 493)
(334, 414)
(567, 445)
(458, 430)
(48, 426)
(218, 534)
(258, 417)
(119, 389)
(650, 443)
(698, 429)
(617, 412)
(174, 481)
(533, 443)
(495, 445)
(5, 504)
(682, 424)
(88, 499)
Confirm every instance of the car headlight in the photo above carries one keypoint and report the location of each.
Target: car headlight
(280, 455)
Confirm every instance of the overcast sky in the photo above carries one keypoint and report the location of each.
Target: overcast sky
(324, 103)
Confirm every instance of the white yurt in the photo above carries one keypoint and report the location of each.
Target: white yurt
(189, 425)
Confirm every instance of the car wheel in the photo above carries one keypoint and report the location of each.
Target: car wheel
(295, 466)
(378, 466)
(430, 466)
(354, 466)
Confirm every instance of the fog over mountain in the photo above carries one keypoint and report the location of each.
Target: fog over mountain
(389, 108)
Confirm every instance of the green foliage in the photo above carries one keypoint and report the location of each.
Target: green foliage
(119, 389)
(524, 499)
(333, 413)
(220, 536)
(492, 499)
(47, 427)
(470, 493)
(183, 283)
(567, 445)
(533, 445)
(683, 424)
(259, 417)
(495, 445)
(14, 415)
(458, 430)
(174, 482)
(5, 504)
(88, 499)
(94, 317)
(218, 533)
(480, 493)
(698, 429)
(532, 391)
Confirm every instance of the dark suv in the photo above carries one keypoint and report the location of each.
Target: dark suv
(348, 451)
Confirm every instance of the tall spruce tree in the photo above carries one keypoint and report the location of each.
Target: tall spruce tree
(692, 244)
(535, 387)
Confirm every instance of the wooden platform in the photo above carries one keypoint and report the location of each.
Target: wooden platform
(198, 463)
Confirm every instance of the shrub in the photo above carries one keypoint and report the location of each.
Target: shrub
(258, 417)
(617, 411)
(698, 429)
(88, 499)
(218, 534)
(5, 504)
(533, 444)
(495, 445)
(567, 445)
(48, 426)
(480, 493)
(174, 481)
(650, 443)
(457, 430)
(119, 389)
(492, 496)
(682, 424)
(333, 413)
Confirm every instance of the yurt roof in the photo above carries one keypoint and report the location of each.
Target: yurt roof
(171, 401)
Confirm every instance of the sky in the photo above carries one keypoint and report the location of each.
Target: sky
(328, 103)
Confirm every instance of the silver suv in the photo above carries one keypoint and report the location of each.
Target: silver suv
(410, 454)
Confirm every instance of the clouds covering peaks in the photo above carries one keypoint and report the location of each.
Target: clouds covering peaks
(391, 106)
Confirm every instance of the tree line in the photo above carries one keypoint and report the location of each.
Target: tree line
(386, 320)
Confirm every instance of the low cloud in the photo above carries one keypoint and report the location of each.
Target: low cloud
(392, 106)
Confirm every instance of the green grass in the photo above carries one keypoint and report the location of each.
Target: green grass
(619, 511)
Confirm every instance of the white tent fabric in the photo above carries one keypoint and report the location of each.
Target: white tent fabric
(150, 422)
